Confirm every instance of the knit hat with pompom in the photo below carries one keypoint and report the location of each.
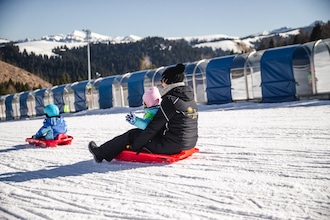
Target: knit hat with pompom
(174, 74)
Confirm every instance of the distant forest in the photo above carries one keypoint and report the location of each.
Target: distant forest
(10, 87)
(116, 59)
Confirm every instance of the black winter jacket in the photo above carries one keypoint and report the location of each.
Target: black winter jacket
(175, 125)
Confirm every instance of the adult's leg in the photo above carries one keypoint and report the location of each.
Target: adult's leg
(115, 146)
(158, 146)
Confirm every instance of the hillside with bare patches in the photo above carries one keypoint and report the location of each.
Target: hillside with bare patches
(8, 71)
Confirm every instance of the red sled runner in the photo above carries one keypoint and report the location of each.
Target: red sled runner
(145, 157)
(62, 139)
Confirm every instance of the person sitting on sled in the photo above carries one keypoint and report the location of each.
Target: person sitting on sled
(174, 127)
(151, 101)
(53, 125)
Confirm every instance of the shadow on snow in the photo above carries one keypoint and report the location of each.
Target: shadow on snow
(76, 169)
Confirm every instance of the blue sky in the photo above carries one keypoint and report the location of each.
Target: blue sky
(20, 19)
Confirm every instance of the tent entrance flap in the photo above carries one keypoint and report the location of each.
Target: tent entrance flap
(278, 83)
(218, 80)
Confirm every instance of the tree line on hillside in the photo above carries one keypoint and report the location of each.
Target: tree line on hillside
(114, 59)
(107, 59)
(319, 31)
(11, 87)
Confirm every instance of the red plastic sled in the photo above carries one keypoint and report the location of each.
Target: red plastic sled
(62, 139)
(145, 157)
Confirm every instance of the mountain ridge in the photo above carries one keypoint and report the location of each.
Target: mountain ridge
(46, 44)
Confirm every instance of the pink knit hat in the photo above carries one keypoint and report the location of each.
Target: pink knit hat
(152, 97)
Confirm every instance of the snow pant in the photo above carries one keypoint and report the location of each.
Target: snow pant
(115, 146)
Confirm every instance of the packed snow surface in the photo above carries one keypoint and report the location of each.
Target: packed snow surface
(256, 161)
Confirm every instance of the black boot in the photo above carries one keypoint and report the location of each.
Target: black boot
(94, 149)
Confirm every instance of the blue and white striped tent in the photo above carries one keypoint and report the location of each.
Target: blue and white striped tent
(218, 80)
(136, 88)
(278, 83)
(105, 91)
(80, 95)
(43, 97)
(12, 107)
(27, 104)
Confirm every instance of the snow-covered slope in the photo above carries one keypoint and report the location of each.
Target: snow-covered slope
(45, 47)
(256, 161)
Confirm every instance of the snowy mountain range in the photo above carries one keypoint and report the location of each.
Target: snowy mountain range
(46, 44)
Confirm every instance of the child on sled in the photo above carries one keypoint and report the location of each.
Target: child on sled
(151, 101)
(53, 125)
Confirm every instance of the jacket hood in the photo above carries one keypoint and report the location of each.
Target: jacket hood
(185, 93)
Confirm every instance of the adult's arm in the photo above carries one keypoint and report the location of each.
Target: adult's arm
(156, 125)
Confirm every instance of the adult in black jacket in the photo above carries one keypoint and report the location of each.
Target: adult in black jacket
(173, 128)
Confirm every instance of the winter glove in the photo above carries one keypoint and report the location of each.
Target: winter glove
(131, 118)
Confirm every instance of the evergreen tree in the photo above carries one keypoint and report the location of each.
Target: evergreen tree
(316, 32)
(325, 33)
(281, 42)
(271, 43)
